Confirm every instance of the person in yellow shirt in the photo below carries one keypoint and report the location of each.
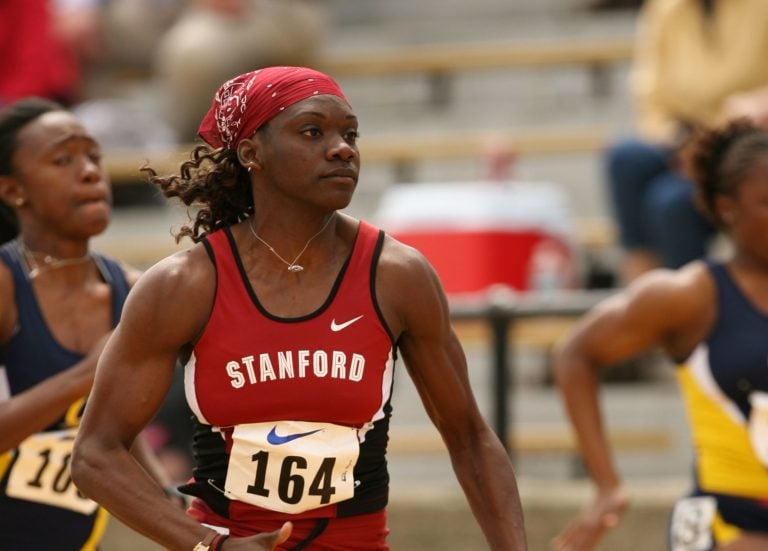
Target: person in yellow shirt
(698, 63)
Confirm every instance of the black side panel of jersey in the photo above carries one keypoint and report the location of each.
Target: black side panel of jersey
(372, 493)
(209, 451)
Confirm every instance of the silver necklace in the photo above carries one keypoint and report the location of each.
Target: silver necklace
(292, 266)
(49, 262)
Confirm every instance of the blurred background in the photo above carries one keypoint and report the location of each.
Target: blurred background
(483, 126)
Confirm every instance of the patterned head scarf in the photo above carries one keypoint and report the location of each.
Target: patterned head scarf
(243, 104)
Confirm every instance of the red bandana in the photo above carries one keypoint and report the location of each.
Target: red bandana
(242, 105)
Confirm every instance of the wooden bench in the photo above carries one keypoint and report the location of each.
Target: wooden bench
(537, 440)
(548, 439)
(455, 57)
(535, 332)
(404, 151)
(401, 151)
(440, 61)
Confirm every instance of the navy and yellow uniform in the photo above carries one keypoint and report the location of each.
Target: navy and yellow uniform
(40, 509)
(725, 387)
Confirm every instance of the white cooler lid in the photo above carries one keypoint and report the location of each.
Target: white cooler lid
(474, 206)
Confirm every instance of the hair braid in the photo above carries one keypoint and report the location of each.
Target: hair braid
(213, 180)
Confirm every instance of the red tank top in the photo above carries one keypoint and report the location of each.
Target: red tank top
(251, 369)
(333, 365)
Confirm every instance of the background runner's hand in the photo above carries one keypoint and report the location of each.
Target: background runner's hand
(266, 541)
(586, 530)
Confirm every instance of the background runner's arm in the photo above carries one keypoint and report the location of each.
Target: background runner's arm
(36, 408)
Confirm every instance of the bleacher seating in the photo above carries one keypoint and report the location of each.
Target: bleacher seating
(438, 62)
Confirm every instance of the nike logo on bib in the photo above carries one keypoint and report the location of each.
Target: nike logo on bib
(339, 326)
(275, 439)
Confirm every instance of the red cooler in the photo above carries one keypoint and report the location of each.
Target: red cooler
(480, 234)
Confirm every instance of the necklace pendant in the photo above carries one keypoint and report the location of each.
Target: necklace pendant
(295, 268)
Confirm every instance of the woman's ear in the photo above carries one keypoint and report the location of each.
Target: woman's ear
(248, 153)
(725, 209)
(11, 193)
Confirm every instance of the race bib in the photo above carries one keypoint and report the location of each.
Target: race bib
(41, 472)
(691, 526)
(292, 466)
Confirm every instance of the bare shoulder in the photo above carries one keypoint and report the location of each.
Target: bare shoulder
(176, 292)
(679, 286)
(405, 266)
(671, 309)
(409, 290)
(678, 296)
(190, 271)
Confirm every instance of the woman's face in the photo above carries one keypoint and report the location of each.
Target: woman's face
(310, 152)
(746, 212)
(60, 177)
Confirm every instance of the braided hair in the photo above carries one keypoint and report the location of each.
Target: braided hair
(717, 161)
(13, 118)
(214, 182)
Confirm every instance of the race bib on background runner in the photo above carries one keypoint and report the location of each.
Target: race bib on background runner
(292, 466)
(691, 525)
(41, 472)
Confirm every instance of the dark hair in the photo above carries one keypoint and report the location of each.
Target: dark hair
(9, 226)
(13, 118)
(215, 181)
(718, 160)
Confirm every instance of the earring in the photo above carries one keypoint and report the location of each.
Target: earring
(19, 201)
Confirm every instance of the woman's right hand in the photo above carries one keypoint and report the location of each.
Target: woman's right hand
(586, 530)
(266, 541)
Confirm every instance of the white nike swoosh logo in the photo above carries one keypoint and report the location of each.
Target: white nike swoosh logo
(340, 326)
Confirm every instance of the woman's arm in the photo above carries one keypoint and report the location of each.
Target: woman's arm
(36, 408)
(660, 309)
(165, 311)
(147, 458)
(134, 375)
(141, 449)
(437, 365)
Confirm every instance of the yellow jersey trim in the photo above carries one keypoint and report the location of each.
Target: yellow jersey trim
(725, 460)
(99, 527)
